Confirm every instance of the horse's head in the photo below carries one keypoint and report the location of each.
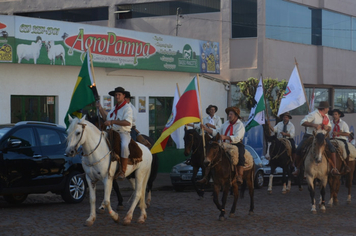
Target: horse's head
(319, 143)
(76, 137)
(213, 150)
(189, 140)
(271, 145)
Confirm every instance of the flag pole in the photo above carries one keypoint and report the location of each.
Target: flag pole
(266, 108)
(93, 86)
(201, 120)
(301, 81)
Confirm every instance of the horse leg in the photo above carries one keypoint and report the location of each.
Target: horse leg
(120, 200)
(332, 187)
(284, 188)
(289, 185)
(322, 193)
(312, 193)
(269, 190)
(149, 197)
(216, 198)
(337, 188)
(235, 190)
(199, 192)
(226, 189)
(107, 193)
(92, 199)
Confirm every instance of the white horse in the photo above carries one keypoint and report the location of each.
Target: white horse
(97, 165)
(316, 167)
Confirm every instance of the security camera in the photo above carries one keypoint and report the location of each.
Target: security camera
(227, 87)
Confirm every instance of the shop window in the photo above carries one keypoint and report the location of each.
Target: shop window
(33, 108)
(160, 109)
(344, 100)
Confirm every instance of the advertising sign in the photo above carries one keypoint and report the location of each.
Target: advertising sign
(38, 41)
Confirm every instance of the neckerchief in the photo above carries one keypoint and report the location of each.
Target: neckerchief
(336, 128)
(117, 107)
(211, 121)
(230, 128)
(325, 119)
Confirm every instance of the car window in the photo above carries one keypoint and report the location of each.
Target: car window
(26, 136)
(3, 131)
(48, 137)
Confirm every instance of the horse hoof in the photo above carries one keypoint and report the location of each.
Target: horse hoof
(250, 213)
(116, 218)
(120, 208)
(231, 215)
(89, 223)
(314, 212)
(127, 222)
(301, 189)
(348, 202)
(336, 203)
(148, 204)
(141, 220)
(200, 198)
(284, 192)
(101, 210)
(221, 218)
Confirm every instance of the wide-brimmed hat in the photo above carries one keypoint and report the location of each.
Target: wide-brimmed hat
(331, 112)
(285, 114)
(323, 105)
(127, 94)
(236, 110)
(117, 90)
(210, 106)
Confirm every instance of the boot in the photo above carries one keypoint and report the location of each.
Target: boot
(334, 171)
(144, 141)
(123, 166)
(240, 170)
(297, 165)
(205, 179)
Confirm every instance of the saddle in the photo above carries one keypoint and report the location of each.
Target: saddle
(233, 154)
(115, 142)
(287, 144)
(341, 150)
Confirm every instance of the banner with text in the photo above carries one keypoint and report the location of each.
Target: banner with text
(38, 41)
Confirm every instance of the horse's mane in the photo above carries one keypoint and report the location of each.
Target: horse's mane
(74, 124)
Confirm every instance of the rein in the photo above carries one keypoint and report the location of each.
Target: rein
(220, 159)
(193, 144)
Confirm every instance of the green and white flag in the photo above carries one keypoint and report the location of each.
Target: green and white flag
(257, 115)
(82, 93)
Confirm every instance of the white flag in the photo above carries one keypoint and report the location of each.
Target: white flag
(257, 115)
(294, 96)
(177, 134)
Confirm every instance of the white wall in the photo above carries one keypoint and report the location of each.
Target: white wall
(59, 81)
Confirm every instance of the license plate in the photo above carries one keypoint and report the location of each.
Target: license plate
(187, 177)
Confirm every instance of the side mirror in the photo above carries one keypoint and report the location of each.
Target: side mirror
(14, 143)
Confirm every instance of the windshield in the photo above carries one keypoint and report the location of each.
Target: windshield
(3, 131)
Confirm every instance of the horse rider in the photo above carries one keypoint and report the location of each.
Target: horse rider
(232, 131)
(340, 130)
(286, 129)
(120, 119)
(212, 121)
(135, 134)
(318, 119)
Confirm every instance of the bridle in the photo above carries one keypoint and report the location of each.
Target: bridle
(279, 152)
(96, 147)
(192, 143)
(211, 164)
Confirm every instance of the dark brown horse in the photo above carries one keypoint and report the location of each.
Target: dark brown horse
(221, 169)
(334, 180)
(193, 143)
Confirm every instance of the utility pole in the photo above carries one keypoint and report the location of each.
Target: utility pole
(177, 25)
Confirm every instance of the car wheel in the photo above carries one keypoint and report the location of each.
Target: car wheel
(75, 188)
(15, 199)
(178, 188)
(259, 180)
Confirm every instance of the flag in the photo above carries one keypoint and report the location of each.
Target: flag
(176, 135)
(185, 112)
(82, 94)
(312, 100)
(294, 96)
(257, 115)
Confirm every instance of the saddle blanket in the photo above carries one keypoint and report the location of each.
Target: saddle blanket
(340, 146)
(233, 153)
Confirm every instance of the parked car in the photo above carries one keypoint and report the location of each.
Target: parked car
(182, 173)
(32, 160)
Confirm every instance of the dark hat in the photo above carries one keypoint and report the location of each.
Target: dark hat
(117, 90)
(128, 94)
(323, 105)
(210, 106)
(285, 114)
(236, 110)
(331, 112)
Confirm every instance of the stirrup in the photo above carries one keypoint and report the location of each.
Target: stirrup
(296, 172)
(334, 169)
(121, 176)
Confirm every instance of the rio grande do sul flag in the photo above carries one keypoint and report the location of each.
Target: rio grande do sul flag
(294, 96)
(186, 111)
(257, 115)
(82, 93)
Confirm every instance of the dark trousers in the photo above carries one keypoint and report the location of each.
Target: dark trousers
(241, 148)
(292, 143)
(133, 133)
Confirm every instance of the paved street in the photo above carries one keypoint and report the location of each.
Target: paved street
(181, 213)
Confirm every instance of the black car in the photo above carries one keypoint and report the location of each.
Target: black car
(32, 160)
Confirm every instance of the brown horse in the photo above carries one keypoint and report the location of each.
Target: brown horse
(221, 169)
(334, 181)
(193, 143)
